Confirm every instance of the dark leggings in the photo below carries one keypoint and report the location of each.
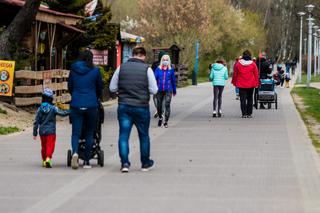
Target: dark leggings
(246, 100)
(217, 97)
(166, 97)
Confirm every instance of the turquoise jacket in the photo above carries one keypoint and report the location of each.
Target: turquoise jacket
(219, 74)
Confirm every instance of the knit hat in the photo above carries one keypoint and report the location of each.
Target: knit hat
(48, 92)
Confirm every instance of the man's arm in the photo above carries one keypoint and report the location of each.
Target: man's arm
(114, 81)
(153, 88)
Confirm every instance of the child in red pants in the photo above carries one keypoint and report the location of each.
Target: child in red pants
(45, 123)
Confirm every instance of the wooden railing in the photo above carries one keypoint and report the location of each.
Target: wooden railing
(29, 86)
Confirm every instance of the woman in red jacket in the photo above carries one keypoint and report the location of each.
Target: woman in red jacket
(246, 78)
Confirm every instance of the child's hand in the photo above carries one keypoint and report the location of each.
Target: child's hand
(35, 138)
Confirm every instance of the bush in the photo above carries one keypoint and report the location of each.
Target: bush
(8, 130)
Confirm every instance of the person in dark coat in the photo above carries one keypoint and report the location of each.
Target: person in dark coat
(264, 73)
(85, 86)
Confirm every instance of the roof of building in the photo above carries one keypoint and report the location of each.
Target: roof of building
(131, 38)
(43, 8)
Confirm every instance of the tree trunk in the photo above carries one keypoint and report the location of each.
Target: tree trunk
(18, 27)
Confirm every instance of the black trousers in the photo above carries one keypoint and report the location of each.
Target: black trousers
(166, 97)
(217, 97)
(246, 100)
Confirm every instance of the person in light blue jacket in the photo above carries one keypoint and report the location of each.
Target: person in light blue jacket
(218, 76)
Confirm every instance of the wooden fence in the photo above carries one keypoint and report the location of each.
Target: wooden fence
(181, 72)
(29, 86)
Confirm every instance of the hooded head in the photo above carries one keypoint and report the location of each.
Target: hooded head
(84, 64)
(47, 100)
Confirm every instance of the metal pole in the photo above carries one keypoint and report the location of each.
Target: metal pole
(300, 49)
(196, 65)
(315, 40)
(305, 46)
(309, 50)
(318, 53)
(310, 8)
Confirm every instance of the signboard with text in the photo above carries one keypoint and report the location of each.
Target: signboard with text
(6, 77)
(100, 57)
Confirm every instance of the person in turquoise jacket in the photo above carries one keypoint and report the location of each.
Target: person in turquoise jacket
(218, 76)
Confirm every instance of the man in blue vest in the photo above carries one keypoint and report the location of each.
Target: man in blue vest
(134, 81)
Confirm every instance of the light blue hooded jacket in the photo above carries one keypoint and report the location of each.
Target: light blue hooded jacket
(218, 74)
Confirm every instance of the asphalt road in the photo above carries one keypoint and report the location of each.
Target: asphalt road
(266, 164)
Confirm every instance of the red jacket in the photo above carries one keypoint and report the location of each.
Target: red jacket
(245, 74)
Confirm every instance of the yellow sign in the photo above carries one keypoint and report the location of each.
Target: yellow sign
(6, 77)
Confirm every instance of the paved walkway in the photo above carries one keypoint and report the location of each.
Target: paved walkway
(229, 165)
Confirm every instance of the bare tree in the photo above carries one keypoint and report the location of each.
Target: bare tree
(18, 27)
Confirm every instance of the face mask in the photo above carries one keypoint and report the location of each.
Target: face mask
(165, 63)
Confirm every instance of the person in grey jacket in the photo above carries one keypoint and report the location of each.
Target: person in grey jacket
(45, 124)
(134, 81)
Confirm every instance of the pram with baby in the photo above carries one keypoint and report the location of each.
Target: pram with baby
(267, 93)
(96, 153)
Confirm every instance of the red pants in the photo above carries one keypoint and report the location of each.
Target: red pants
(47, 145)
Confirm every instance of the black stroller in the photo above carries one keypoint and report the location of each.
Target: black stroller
(97, 152)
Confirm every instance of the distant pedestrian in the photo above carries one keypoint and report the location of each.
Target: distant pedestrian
(85, 86)
(45, 124)
(246, 78)
(218, 76)
(236, 88)
(154, 66)
(134, 81)
(281, 74)
(166, 82)
(287, 79)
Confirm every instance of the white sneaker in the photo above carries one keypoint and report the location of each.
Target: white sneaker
(74, 161)
(87, 165)
(214, 114)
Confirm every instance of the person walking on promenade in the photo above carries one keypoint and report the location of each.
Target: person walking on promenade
(166, 82)
(134, 81)
(154, 66)
(281, 74)
(218, 76)
(45, 123)
(264, 73)
(85, 86)
(246, 78)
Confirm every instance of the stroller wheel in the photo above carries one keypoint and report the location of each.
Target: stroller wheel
(101, 158)
(269, 105)
(69, 156)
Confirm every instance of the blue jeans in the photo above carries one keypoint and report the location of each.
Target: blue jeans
(78, 116)
(140, 117)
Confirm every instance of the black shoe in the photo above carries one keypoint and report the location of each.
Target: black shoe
(244, 116)
(155, 115)
(148, 166)
(165, 125)
(219, 114)
(125, 168)
(249, 116)
(160, 122)
(262, 106)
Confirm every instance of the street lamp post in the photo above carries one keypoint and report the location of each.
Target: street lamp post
(315, 46)
(318, 51)
(310, 19)
(301, 14)
(305, 46)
